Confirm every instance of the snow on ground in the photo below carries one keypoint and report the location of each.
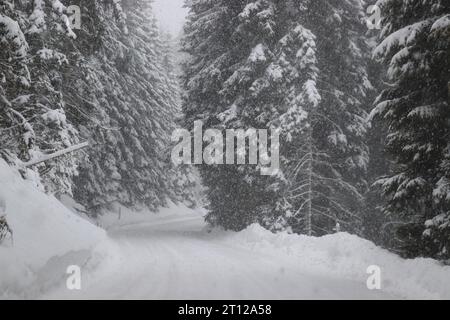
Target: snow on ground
(122, 216)
(172, 255)
(345, 256)
(178, 259)
(43, 229)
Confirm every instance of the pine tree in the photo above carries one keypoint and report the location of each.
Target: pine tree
(269, 64)
(228, 43)
(377, 226)
(415, 46)
(133, 100)
(327, 157)
(34, 35)
(110, 82)
(185, 183)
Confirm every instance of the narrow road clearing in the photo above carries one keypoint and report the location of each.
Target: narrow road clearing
(178, 259)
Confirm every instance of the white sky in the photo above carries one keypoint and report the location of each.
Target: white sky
(170, 14)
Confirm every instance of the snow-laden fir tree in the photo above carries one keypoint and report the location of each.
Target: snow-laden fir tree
(415, 45)
(133, 100)
(110, 82)
(34, 37)
(184, 179)
(376, 225)
(229, 48)
(291, 65)
(326, 159)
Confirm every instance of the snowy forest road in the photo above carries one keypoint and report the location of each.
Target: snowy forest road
(178, 259)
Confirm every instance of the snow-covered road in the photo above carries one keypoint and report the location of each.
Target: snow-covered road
(178, 259)
(170, 255)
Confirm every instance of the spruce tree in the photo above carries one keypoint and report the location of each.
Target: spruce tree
(229, 46)
(295, 66)
(133, 98)
(415, 47)
(327, 158)
(34, 37)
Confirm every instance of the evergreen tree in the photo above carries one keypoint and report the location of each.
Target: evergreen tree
(327, 158)
(133, 98)
(298, 66)
(377, 226)
(34, 35)
(228, 44)
(415, 46)
(184, 179)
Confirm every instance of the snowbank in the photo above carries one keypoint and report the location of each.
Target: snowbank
(347, 256)
(47, 237)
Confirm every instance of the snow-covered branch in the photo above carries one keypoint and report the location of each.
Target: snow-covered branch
(56, 154)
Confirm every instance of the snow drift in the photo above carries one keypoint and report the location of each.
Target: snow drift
(347, 256)
(45, 233)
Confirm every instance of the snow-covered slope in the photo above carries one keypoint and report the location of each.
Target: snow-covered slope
(43, 231)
